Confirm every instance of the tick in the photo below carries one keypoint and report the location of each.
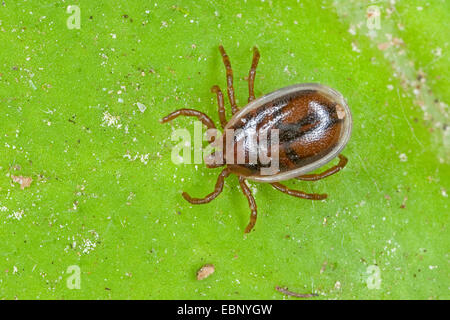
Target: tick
(313, 123)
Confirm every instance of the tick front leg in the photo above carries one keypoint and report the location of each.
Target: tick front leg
(230, 89)
(251, 203)
(191, 113)
(252, 74)
(221, 104)
(217, 190)
(297, 193)
(314, 177)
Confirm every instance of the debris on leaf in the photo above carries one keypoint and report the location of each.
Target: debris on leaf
(295, 294)
(403, 205)
(24, 182)
(383, 46)
(141, 107)
(205, 271)
(324, 267)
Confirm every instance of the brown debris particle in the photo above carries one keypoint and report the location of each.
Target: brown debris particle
(324, 267)
(397, 41)
(24, 182)
(403, 205)
(205, 271)
(295, 294)
(383, 46)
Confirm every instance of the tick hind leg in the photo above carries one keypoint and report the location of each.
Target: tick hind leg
(251, 203)
(230, 88)
(314, 177)
(217, 190)
(191, 113)
(252, 74)
(297, 193)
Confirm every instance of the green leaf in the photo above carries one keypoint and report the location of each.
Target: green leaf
(106, 196)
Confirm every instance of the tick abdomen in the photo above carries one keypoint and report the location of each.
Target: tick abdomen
(308, 124)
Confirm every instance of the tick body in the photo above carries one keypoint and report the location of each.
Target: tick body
(313, 125)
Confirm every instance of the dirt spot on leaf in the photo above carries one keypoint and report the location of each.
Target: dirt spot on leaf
(24, 182)
(205, 271)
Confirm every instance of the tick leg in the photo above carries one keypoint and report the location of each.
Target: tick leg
(230, 89)
(314, 177)
(297, 193)
(251, 75)
(217, 190)
(191, 113)
(251, 203)
(221, 104)
(213, 164)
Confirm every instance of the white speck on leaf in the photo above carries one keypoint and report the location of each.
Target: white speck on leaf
(110, 120)
(141, 107)
(18, 215)
(355, 47)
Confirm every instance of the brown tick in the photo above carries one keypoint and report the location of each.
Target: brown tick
(313, 124)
